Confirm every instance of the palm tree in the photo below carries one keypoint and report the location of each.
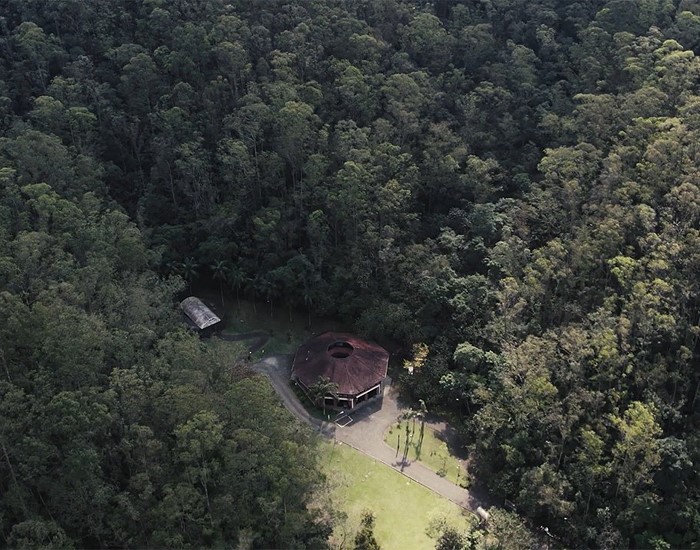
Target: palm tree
(221, 270)
(251, 284)
(172, 267)
(267, 287)
(321, 389)
(409, 415)
(308, 301)
(236, 278)
(189, 271)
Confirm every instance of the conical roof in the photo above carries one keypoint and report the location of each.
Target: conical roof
(354, 364)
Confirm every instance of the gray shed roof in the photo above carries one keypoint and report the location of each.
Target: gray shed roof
(200, 314)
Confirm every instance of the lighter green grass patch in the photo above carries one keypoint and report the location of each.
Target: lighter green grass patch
(429, 449)
(404, 509)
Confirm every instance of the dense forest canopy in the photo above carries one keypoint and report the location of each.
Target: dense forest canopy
(118, 428)
(513, 183)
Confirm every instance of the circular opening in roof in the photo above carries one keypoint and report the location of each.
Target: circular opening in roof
(340, 349)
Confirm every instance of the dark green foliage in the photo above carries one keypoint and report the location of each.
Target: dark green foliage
(451, 539)
(118, 428)
(322, 388)
(513, 183)
(507, 532)
(364, 540)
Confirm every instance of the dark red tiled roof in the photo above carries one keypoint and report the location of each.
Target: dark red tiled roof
(354, 364)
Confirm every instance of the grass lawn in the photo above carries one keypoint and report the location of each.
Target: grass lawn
(431, 451)
(404, 509)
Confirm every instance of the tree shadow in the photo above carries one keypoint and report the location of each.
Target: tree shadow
(419, 443)
(451, 437)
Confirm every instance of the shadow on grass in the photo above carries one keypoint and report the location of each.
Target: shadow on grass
(419, 441)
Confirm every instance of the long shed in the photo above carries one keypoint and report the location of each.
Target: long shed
(203, 319)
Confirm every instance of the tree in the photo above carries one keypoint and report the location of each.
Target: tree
(590, 458)
(507, 532)
(193, 175)
(140, 83)
(199, 443)
(308, 296)
(39, 534)
(425, 39)
(236, 278)
(296, 124)
(637, 451)
(365, 540)
(34, 53)
(420, 356)
(221, 272)
(321, 389)
(423, 411)
(189, 269)
(451, 539)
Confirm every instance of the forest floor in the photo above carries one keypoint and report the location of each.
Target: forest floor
(366, 431)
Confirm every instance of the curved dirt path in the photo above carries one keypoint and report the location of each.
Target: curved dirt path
(260, 336)
(366, 432)
(276, 368)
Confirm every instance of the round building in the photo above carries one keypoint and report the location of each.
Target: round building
(357, 367)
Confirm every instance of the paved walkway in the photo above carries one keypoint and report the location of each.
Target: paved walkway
(366, 432)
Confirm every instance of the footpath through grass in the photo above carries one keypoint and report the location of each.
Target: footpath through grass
(429, 449)
(404, 509)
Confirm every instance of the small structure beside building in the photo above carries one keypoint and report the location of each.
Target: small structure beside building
(357, 367)
(483, 515)
(200, 317)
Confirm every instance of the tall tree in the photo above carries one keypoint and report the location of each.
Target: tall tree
(322, 389)
(365, 540)
(221, 273)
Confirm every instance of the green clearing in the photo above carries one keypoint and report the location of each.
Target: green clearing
(404, 509)
(287, 327)
(431, 450)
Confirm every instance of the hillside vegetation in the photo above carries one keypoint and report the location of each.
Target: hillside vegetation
(514, 183)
